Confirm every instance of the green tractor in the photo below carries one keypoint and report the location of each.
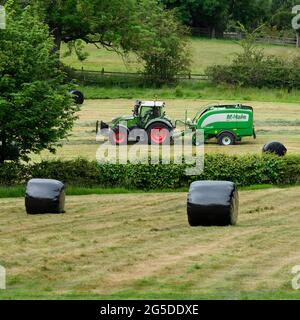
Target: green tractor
(148, 123)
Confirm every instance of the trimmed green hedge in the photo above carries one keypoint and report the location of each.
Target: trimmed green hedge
(244, 170)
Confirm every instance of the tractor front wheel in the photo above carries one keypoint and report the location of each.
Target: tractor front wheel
(226, 139)
(118, 136)
(159, 134)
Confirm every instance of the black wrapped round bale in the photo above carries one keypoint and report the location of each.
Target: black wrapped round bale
(44, 196)
(275, 147)
(78, 96)
(212, 203)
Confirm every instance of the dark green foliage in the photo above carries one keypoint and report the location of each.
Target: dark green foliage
(282, 14)
(35, 110)
(218, 15)
(140, 26)
(243, 170)
(291, 170)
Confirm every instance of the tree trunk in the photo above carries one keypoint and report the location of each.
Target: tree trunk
(3, 148)
(213, 33)
(57, 40)
(298, 39)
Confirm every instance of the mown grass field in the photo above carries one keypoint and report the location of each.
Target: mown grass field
(204, 52)
(140, 246)
(274, 121)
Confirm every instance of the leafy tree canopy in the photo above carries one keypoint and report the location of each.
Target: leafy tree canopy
(35, 109)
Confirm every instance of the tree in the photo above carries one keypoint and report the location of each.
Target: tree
(202, 13)
(118, 25)
(107, 23)
(282, 14)
(164, 51)
(217, 14)
(251, 14)
(112, 24)
(282, 17)
(35, 109)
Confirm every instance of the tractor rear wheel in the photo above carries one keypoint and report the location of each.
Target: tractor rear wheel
(226, 139)
(159, 134)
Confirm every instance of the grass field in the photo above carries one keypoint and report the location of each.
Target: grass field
(202, 90)
(113, 246)
(205, 52)
(274, 121)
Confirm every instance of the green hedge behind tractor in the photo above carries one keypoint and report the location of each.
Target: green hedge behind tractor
(149, 123)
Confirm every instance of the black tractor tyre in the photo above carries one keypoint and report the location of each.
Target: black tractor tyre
(157, 139)
(77, 96)
(226, 139)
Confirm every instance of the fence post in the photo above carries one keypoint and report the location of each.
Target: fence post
(82, 73)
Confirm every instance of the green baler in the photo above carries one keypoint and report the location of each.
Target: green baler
(226, 123)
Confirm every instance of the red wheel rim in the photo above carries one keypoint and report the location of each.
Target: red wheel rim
(159, 135)
(119, 137)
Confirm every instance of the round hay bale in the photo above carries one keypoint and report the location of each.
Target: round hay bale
(78, 96)
(44, 196)
(275, 147)
(212, 203)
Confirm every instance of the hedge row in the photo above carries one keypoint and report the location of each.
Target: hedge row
(253, 68)
(243, 170)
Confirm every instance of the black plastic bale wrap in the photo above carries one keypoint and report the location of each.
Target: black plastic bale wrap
(78, 96)
(275, 147)
(213, 203)
(45, 196)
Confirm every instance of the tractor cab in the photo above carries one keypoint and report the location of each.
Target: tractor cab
(145, 111)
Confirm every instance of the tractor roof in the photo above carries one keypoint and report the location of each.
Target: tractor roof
(152, 104)
(232, 106)
(222, 107)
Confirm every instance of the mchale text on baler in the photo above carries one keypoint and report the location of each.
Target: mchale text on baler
(227, 123)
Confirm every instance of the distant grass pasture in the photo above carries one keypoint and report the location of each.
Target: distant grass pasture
(205, 52)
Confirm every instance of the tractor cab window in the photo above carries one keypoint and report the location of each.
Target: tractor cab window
(153, 112)
(146, 111)
(157, 112)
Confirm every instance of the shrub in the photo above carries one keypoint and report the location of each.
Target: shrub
(243, 170)
(269, 72)
(253, 68)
